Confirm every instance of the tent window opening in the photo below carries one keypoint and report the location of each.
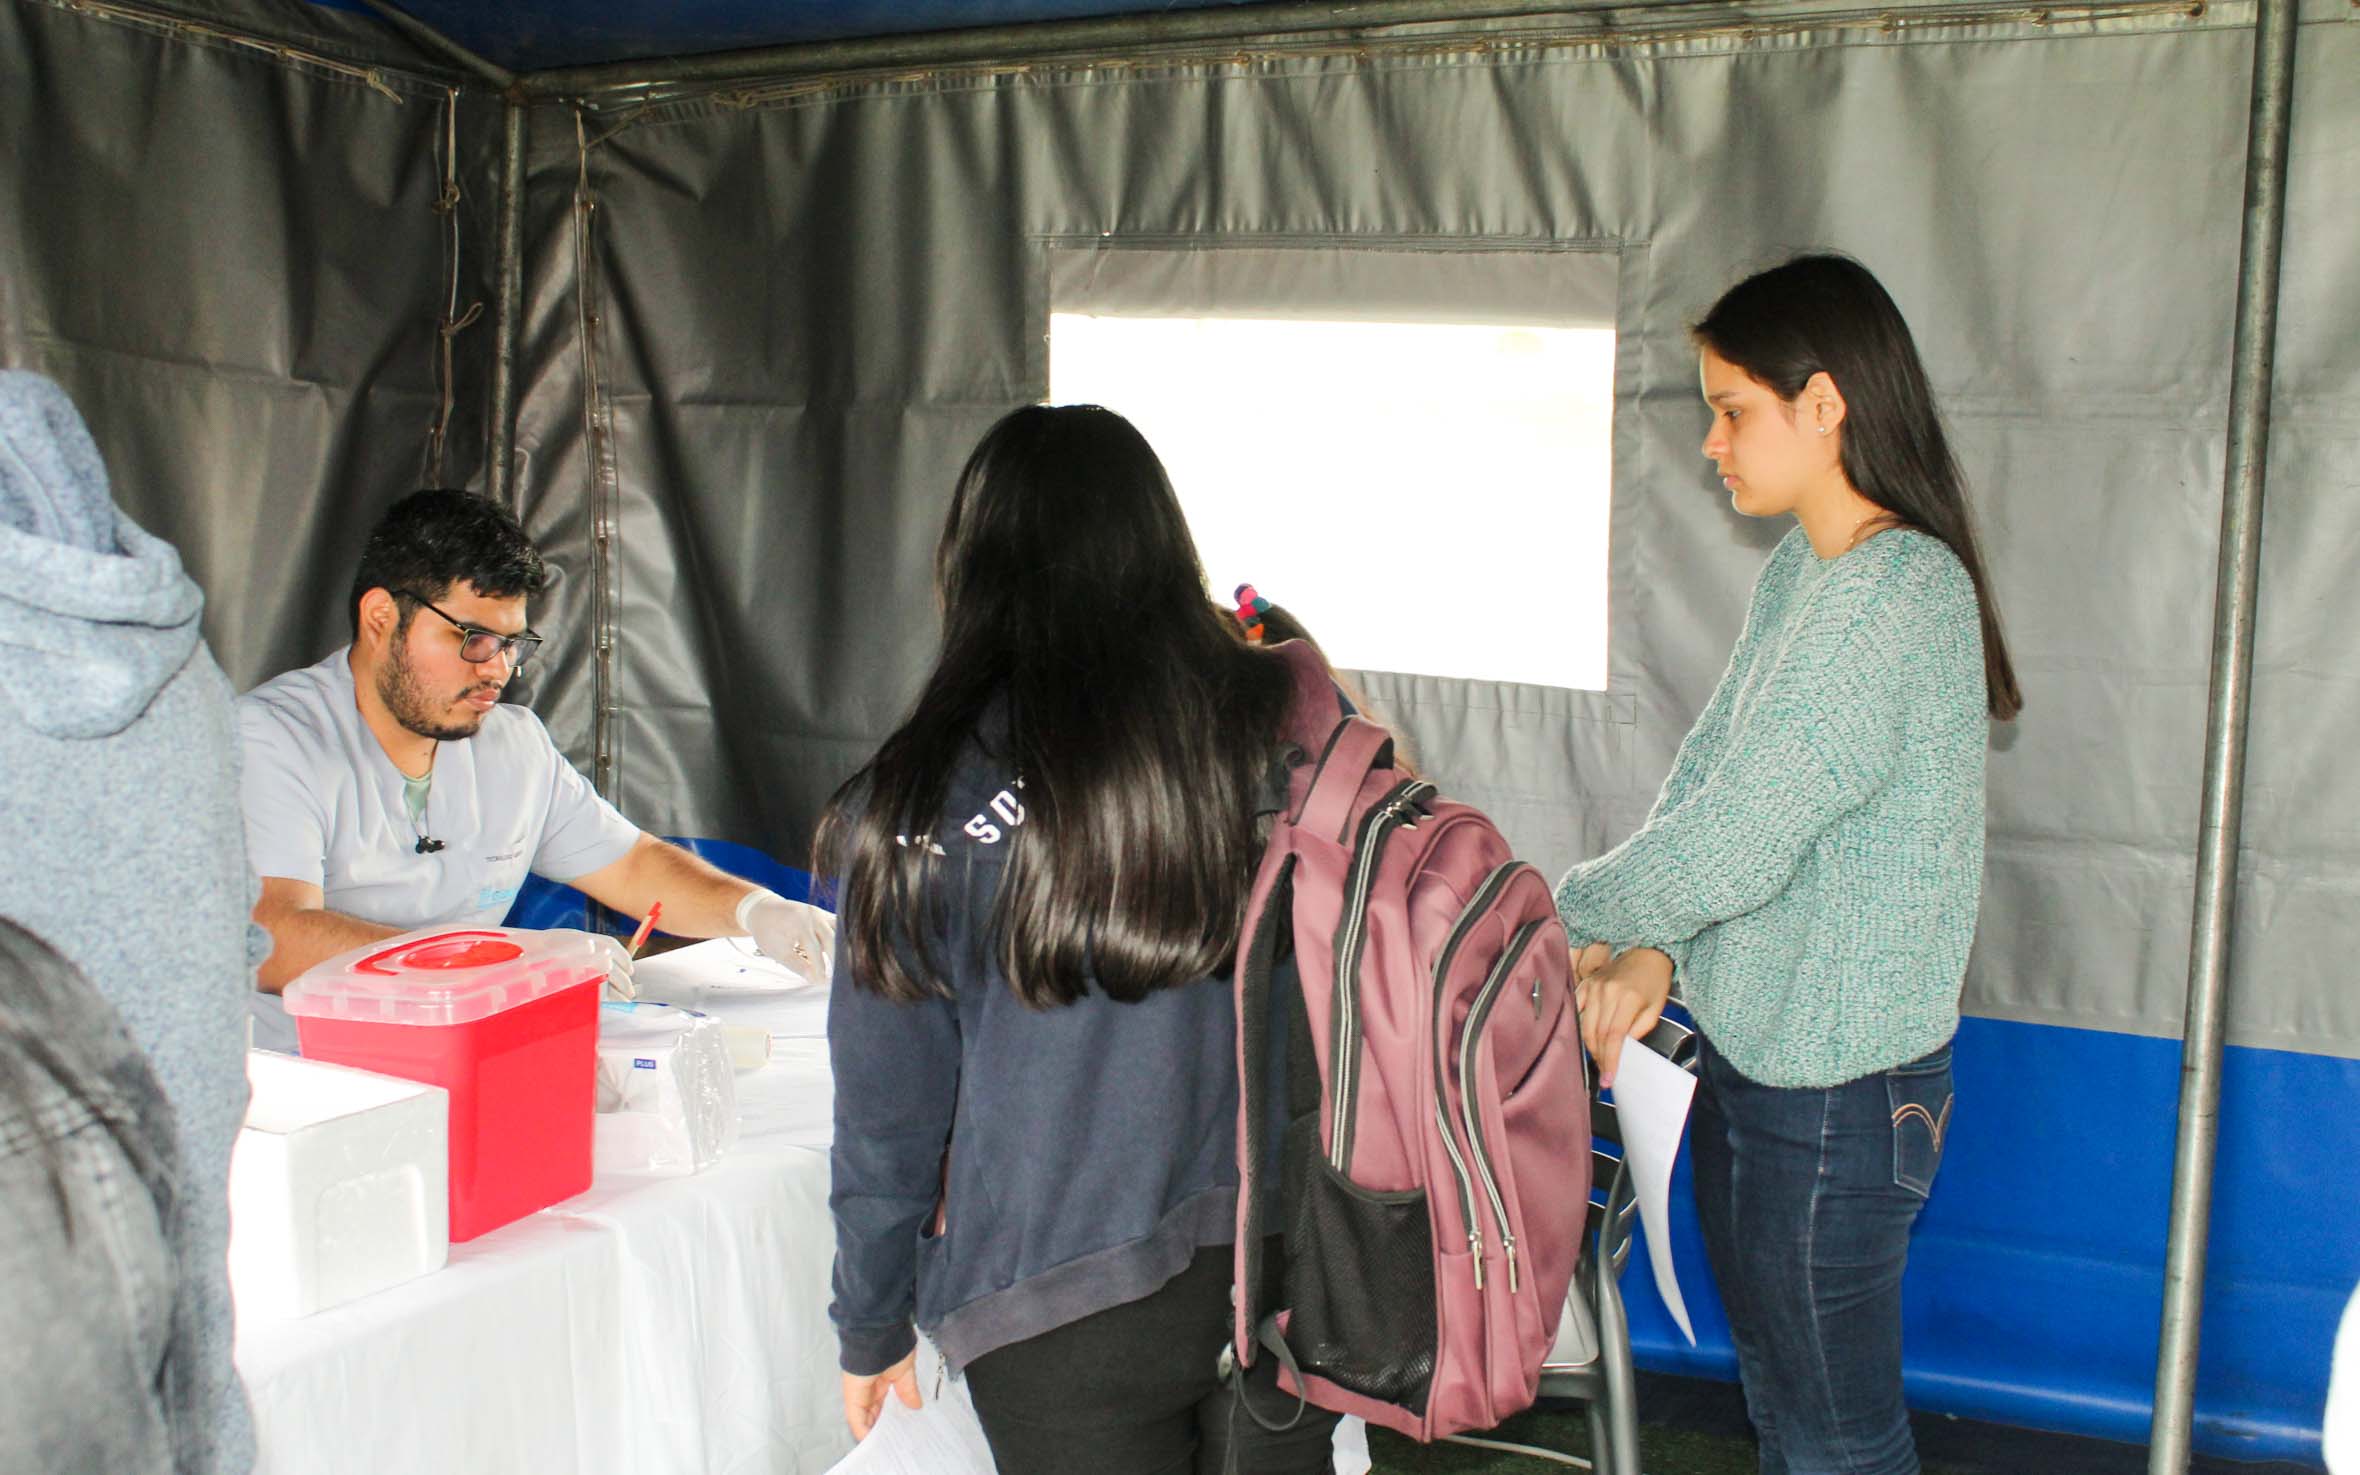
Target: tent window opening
(1426, 497)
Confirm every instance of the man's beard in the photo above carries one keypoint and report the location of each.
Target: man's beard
(405, 696)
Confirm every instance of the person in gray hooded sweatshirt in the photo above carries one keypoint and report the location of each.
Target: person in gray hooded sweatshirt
(119, 798)
(89, 1229)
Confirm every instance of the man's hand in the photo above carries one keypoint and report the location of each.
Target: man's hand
(1620, 1001)
(619, 984)
(796, 935)
(864, 1398)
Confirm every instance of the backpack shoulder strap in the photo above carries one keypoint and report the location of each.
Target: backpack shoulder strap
(1357, 747)
(1345, 748)
(1313, 714)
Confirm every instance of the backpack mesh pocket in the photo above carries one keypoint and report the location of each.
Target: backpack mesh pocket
(1360, 1280)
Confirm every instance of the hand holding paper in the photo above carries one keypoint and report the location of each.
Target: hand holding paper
(864, 1397)
(1620, 1001)
(1651, 1100)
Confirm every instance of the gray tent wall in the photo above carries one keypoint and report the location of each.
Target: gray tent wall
(809, 305)
(761, 329)
(795, 308)
(232, 257)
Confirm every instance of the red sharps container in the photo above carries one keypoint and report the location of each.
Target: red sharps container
(505, 1020)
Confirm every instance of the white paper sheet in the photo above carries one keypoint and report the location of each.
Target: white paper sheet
(735, 987)
(1651, 1098)
(942, 1437)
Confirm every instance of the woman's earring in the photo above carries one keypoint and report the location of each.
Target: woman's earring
(1823, 430)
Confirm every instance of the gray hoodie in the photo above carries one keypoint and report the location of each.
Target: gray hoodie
(119, 804)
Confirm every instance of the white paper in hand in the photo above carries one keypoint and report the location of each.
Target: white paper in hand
(1651, 1097)
(940, 1437)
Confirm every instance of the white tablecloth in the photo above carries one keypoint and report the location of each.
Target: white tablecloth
(648, 1326)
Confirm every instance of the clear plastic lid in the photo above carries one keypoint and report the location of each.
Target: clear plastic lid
(446, 975)
(641, 1022)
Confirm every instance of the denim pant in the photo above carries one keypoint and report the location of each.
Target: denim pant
(1806, 1198)
(97, 1370)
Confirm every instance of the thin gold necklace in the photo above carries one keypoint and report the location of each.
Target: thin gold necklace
(1860, 530)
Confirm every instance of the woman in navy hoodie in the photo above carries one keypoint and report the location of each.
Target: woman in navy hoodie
(1043, 873)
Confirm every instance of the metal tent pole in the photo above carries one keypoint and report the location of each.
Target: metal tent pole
(435, 42)
(500, 470)
(2225, 735)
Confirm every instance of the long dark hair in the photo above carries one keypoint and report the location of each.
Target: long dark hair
(1140, 727)
(1826, 314)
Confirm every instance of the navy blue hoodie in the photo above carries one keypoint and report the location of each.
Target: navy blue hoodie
(1091, 1148)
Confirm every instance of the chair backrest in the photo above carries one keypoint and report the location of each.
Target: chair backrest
(1614, 1201)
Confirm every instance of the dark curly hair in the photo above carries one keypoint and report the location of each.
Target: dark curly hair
(433, 539)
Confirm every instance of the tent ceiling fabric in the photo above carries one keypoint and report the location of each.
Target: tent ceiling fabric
(525, 35)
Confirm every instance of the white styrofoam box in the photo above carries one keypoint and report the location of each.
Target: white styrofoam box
(339, 1186)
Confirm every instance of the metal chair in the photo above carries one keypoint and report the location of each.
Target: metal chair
(1591, 1360)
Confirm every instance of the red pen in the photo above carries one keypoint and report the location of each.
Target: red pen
(647, 924)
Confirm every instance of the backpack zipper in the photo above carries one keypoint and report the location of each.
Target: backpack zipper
(1480, 1012)
(1388, 814)
(1485, 895)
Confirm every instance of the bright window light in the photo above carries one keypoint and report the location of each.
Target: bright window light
(1425, 497)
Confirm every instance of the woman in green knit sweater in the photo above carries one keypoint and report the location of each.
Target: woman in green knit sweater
(1809, 876)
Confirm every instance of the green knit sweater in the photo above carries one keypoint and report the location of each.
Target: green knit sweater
(1815, 860)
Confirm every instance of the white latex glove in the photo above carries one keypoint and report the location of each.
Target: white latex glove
(796, 935)
(619, 984)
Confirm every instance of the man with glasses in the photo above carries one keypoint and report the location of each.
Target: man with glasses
(389, 788)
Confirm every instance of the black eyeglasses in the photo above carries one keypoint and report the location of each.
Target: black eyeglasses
(477, 645)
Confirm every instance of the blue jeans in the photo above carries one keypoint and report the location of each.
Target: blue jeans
(99, 1370)
(1806, 1198)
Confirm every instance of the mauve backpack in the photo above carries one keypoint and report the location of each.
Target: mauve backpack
(1424, 1056)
